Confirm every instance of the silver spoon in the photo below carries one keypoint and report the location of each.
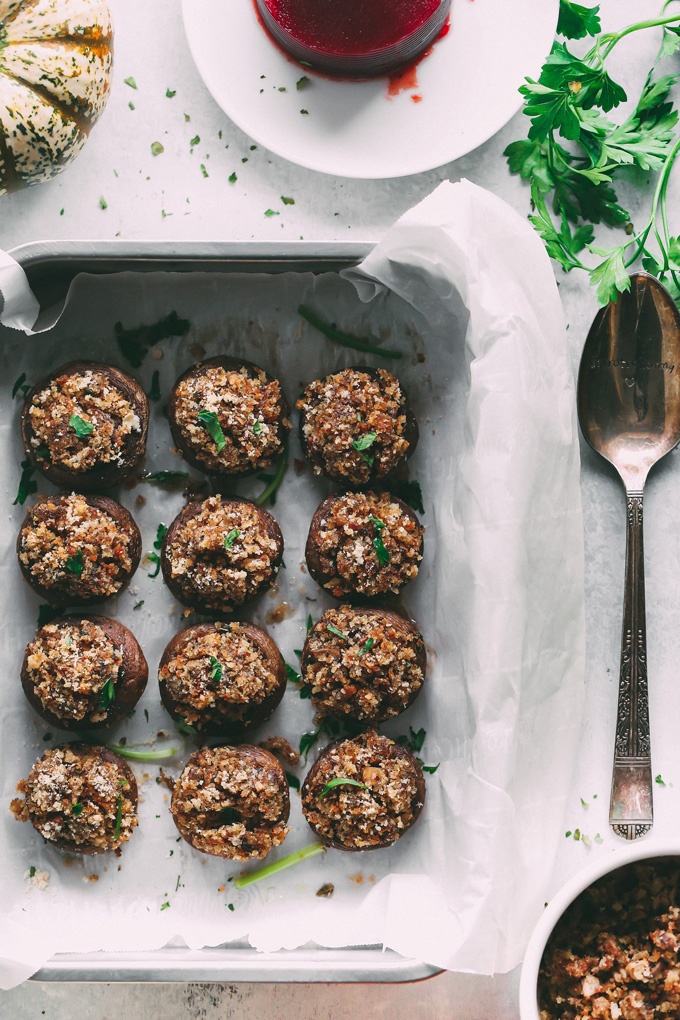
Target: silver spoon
(629, 411)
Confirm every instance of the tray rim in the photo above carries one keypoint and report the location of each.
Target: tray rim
(231, 962)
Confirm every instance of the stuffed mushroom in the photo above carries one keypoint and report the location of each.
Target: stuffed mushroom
(228, 416)
(357, 426)
(77, 549)
(84, 426)
(219, 553)
(365, 544)
(222, 677)
(84, 672)
(83, 799)
(232, 802)
(363, 664)
(363, 793)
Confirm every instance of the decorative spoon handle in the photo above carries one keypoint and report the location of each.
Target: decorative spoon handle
(630, 810)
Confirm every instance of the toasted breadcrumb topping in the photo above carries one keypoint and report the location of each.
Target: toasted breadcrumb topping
(218, 676)
(74, 548)
(251, 412)
(74, 795)
(370, 674)
(355, 817)
(614, 953)
(221, 577)
(232, 802)
(346, 544)
(68, 664)
(97, 401)
(346, 408)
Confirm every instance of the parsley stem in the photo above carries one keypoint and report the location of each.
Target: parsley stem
(266, 495)
(126, 752)
(342, 338)
(282, 865)
(612, 38)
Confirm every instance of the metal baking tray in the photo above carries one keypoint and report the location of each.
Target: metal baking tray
(51, 266)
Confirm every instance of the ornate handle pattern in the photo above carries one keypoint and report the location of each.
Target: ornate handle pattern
(630, 810)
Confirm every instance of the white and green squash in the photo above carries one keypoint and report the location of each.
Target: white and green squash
(56, 61)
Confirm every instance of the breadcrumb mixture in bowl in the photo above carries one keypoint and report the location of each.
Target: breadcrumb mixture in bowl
(228, 417)
(219, 553)
(222, 677)
(363, 664)
(357, 426)
(364, 543)
(232, 802)
(363, 793)
(85, 425)
(74, 549)
(81, 798)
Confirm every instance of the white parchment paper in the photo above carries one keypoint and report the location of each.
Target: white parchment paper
(463, 287)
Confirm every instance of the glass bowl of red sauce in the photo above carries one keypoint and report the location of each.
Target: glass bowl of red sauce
(354, 38)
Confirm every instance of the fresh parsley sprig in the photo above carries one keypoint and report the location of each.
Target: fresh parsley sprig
(574, 154)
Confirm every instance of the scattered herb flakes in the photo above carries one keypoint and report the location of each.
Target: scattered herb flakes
(170, 93)
(431, 769)
(586, 839)
(134, 343)
(383, 555)
(131, 105)
(567, 834)
(282, 88)
(577, 834)
(271, 212)
(334, 630)
(304, 111)
(367, 647)
(19, 385)
(103, 204)
(68, 640)
(244, 159)
(108, 693)
(153, 557)
(215, 670)
(598, 838)
(411, 493)
(307, 742)
(161, 532)
(165, 477)
(77, 809)
(584, 803)
(157, 148)
(27, 484)
(195, 140)
(204, 171)
(230, 906)
(340, 781)
(164, 906)
(211, 423)
(293, 781)
(187, 118)
(232, 178)
(155, 390)
(329, 330)
(31, 871)
(81, 428)
(659, 780)
(75, 563)
(292, 674)
(146, 714)
(302, 82)
(131, 82)
(257, 428)
(363, 444)
(231, 538)
(414, 741)
(46, 614)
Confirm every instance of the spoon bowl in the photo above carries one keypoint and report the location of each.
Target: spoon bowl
(629, 412)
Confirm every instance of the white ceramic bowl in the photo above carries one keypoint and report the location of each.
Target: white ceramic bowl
(601, 865)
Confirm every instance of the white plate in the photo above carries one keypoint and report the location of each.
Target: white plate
(468, 86)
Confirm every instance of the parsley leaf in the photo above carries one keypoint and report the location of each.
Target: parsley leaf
(27, 484)
(334, 630)
(215, 670)
(231, 538)
(75, 563)
(211, 423)
(575, 21)
(81, 428)
(369, 644)
(340, 781)
(107, 694)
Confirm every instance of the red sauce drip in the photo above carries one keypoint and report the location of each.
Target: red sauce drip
(402, 81)
(351, 26)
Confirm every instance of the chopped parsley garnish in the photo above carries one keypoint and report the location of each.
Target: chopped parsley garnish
(27, 484)
(108, 693)
(340, 781)
(659, 780)
(414, 741)
(428, 768)
(170, 93)
(138, 605)
(230, 906)
(232, 178)
(257, 428)
(271, 212)
(380, 549)
(161, 532)
(165, 477)
(31, 871)
(77, 809)
(103, 204)
(134, 343)
(75, 563)
(231, 538)
(287, 201)
(156, 148)
(228, 816)
(292, 674)
(131, 82)
(330, 331)
(334, 630)
(154, 558)
(215, 670)
(211, 423)
(119, 816)
(81, 428)
(411, 493)
(302, 82)
(155, 391)
(204, 171)
(164, 906)
(68, 641)
(293, 781)
(369, 644)
(195, 140)
(365, 441)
